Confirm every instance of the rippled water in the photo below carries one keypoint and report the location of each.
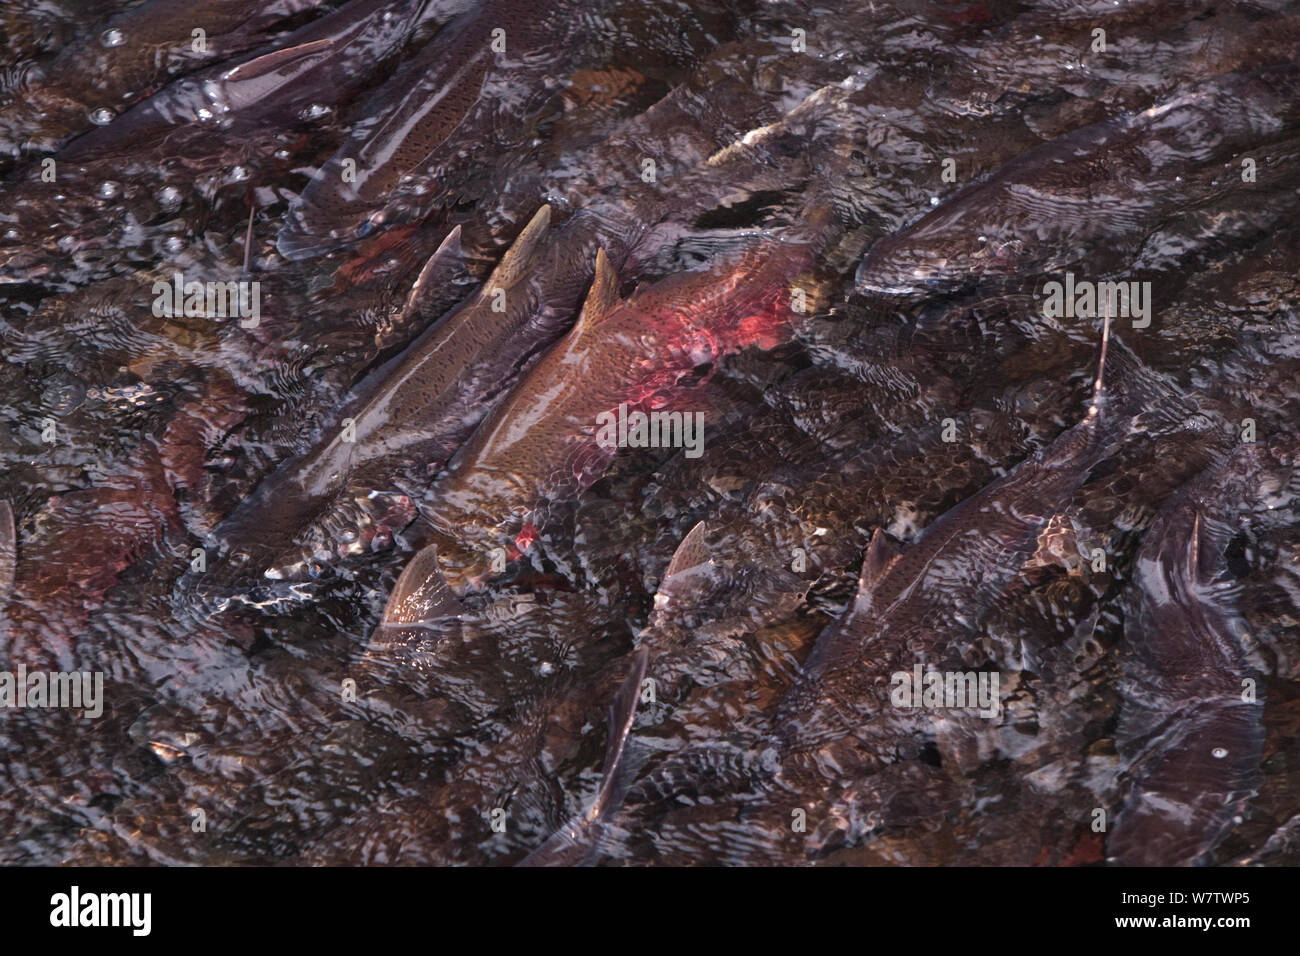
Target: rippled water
(830, 231)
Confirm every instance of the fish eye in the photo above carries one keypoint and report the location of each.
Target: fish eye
(370, 225)
(239, 558)
(315, 569)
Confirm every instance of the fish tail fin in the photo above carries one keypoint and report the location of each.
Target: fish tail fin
(420, 596)
(578, 842)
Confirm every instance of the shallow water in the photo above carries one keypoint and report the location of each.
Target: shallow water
(832, 229)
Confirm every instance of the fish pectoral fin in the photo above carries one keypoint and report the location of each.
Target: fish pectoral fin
(517, 260)
(421, 594)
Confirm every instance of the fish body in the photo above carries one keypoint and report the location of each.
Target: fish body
(91, 82)
(541, 444)
(395, 158)
(1192, 719)
(1075, 199)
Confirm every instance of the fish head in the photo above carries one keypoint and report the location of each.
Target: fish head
(254, 571)
(946, 263)
(234, 581)
(352, 526)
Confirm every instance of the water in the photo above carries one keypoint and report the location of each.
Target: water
(839, 253)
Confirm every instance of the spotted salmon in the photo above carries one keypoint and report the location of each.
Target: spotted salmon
(541, 445)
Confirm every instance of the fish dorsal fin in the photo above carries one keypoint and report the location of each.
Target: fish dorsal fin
(602, 297)
(577, 842)
(261, 66)
(446, 265)
(517, 259)
(621, 714)
(880, 557)
(421, 595)
(691, 553)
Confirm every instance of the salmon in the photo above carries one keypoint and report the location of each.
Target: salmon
(135, 52)
(1191, 728)
(1074, 200)
(541, 446)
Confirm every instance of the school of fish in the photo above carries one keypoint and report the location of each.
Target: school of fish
(651, 432)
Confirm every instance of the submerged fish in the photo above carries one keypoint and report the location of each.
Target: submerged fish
(1192, 722)
(541, 445)
(1092, 195)
(221, 126)
(90, 83)
(918, 606)
(386, 173)
(357, 489)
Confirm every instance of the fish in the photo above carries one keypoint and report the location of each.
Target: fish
(91, 82)
(578, 842)
(1072, 200)
(357, 489)
(540, 444)
(226, 124)
(413, 122)
(1191, 727)
(317, 63)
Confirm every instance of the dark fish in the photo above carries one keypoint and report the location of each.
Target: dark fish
(319, 63)
(411, 122)
(578, 842)
(90, 83)
(1079, 195)
(1192, 723)
(224, 125)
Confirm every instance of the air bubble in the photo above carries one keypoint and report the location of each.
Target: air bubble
(113, 38)
(109, 190)
(315, 111)
(102, 116)
(1219, 753)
